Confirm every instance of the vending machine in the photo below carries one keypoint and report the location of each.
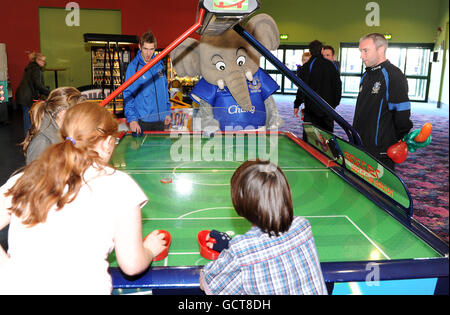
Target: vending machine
(110, 56)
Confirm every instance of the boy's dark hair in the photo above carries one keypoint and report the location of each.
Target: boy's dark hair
(330, 48)
(147, 37)
(260, 193)
(315, 48)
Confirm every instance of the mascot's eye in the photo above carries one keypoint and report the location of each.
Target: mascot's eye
(240, 61)
(221, 66)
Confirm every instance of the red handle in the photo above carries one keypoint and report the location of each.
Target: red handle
(157, 58)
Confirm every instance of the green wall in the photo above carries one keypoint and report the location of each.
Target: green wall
(64, 45)
(333, 22)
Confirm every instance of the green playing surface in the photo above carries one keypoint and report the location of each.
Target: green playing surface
(346, 225)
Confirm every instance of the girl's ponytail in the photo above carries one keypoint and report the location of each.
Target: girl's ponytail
(57, 176)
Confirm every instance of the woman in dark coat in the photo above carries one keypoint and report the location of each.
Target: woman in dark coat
(31, 87)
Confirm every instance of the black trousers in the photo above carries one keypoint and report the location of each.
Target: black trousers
(152, 126)
(324, 122)
(383, 158)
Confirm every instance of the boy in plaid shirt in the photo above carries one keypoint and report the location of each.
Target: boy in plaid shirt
(278, 254)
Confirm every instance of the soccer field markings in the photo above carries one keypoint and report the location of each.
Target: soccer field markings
(176, 173)
(184, 217)
(212, 170)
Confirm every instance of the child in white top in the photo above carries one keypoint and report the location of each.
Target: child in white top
(66, 215)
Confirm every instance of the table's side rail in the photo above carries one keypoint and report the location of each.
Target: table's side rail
(382, 200)
(187, 277)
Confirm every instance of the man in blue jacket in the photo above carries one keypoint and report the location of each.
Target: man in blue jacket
(147, 106)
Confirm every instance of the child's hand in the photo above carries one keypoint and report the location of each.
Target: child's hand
(155, 243)
(221, 240)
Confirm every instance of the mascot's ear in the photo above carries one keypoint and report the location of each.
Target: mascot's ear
(186, 58)
(265, 30)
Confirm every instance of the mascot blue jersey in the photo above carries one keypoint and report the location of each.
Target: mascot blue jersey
(225, 109)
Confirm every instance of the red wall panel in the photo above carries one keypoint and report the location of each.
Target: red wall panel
(19, 23)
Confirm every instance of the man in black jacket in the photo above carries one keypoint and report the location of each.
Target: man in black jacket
(321, 75)
(383, 110)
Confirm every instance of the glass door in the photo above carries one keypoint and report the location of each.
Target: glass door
(412, 59)
(291, 56)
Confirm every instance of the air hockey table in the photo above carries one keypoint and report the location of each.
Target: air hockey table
(361, 213)
(367, 240)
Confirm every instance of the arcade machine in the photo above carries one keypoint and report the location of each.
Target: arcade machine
(355, 190)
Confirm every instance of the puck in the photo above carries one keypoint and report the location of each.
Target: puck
(166, 180)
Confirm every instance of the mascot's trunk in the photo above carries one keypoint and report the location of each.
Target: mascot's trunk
(238, 86)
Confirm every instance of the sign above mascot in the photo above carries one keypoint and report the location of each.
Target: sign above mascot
(222, 15)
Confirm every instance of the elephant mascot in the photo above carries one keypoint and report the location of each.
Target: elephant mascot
(233, 93)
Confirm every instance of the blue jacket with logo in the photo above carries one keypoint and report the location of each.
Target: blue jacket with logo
(225, 109)
(147, 98)
(383, 109)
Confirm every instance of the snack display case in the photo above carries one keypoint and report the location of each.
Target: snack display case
(110, 56)
(109, 65)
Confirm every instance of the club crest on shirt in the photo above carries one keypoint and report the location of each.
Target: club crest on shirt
(376, 88)
(255, 85)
